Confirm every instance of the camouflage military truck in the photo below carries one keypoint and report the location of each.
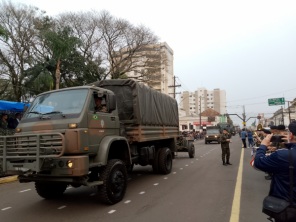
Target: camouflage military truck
(61, 139)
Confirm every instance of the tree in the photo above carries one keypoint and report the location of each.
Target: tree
(61, 43)
(117, 44)
(18, 50)
(124, 45)
(3, 33)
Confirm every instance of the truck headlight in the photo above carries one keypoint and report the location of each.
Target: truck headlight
(18, 130)
(72, 125)
(70, 163)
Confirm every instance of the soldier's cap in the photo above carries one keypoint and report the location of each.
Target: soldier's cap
(267, 131)
(281, 127)
(273, 127)
(292, 127)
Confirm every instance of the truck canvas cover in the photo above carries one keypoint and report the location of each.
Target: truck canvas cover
(139, 104)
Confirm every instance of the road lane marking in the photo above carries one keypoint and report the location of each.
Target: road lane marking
(174, 172)
(22, 191)
(165, 178)
(128, 201)
(235, 210)
(156, 184)
(111, 211)
(6, 208)
(61, 207)
(142, 192)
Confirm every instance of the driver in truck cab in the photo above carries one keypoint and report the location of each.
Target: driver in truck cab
(100, 104)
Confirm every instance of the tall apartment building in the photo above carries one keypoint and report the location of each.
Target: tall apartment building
(160, 75)
(194, 103)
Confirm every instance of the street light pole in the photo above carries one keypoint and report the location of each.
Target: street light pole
(200, 112)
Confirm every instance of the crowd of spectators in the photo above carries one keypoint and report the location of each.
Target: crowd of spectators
(197, 135)
(8, 123)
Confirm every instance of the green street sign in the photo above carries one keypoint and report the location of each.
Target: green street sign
(276, 101)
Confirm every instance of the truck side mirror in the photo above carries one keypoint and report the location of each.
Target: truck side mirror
(111, 102)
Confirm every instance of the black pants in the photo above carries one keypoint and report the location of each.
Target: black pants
(225, 153)
(244, 142)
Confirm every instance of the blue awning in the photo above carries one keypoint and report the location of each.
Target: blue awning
(12, 106)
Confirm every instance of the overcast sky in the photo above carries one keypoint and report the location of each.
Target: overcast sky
(247, 48)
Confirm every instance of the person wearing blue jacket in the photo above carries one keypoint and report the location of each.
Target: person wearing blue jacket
(277, 164)
(244, 136)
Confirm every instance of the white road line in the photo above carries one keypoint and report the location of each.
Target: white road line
(165, 178)
(128, 201)
(186, 165)
(142, 192)
(156, 184)
(111, 211)
(61, 207)
(192, 162)
(174, 172)
(22, 191)
(181, 168)
(6, 208)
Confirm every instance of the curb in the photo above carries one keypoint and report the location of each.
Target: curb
(8, 179)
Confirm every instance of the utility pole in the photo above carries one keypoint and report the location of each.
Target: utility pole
(283, 122)
(200, 112)
(243, 118)
(175, 87)
(289, 112)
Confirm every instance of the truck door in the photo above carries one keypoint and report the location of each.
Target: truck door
(101, 122)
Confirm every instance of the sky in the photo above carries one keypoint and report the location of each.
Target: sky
(245, 47)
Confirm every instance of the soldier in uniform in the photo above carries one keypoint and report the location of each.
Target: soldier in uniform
(225, 140)
(100, 106)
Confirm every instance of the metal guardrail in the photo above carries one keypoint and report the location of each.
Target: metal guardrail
(31, 147)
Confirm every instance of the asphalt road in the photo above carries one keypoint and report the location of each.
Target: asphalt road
(199, 189)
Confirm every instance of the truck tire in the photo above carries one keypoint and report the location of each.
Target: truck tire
(50, 190)
(165, 161)
(114, 177)
(191, 150)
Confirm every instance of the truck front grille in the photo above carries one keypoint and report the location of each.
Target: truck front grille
(26, 146)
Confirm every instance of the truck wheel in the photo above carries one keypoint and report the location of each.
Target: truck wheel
(50, 190)
(191, 150)
(114, 177)
(165, 161)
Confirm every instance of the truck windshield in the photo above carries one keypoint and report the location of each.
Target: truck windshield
(58, 103)
(213, 131)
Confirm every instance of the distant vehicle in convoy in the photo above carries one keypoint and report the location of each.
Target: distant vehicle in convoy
(212, 134)
(230, 128)
(63, 140)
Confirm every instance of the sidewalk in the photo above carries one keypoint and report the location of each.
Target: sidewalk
(8, 179)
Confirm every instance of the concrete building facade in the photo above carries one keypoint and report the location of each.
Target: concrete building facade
(194, 103)
(158, 71)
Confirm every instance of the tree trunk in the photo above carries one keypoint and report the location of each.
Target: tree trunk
(58, 74)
